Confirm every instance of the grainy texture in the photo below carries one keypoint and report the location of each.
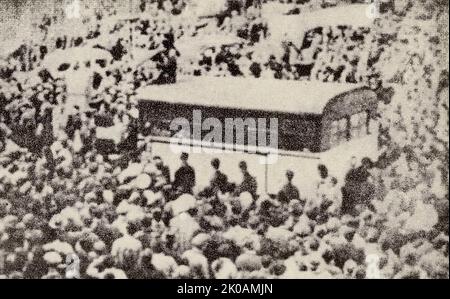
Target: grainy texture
(224, 139)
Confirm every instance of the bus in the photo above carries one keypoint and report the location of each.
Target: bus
(317, 123)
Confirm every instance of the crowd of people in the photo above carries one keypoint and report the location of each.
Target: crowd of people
(127, 219)
(327, 54)
(69, 203)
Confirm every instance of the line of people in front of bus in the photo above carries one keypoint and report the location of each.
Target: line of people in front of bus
(356, 193)
(185, 179)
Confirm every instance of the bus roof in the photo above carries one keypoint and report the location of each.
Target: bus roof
(297, 97)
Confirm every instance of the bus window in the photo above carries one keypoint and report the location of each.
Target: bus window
(339, 131)
(358, 126)
(334, 130)
(368, 123)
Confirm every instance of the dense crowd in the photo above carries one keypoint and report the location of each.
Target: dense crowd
(127, 218)
(69, 202)
(233, 45)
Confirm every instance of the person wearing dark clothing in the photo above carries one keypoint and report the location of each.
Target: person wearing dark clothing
(275, 66)
(357, 189)
(118, 50)
(165, 171)
(50, 161)
(130, 142)
(74, 123)
(323, 173)
(166, 61)
(248, 184)
(256, 70)
(219, 181)
(359, 174)
(184, 177)
(45, 76)
(289, 191)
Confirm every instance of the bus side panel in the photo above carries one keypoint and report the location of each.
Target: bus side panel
(300, 132)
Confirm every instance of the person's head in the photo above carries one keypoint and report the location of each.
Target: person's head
(158, 161)
(367, 163)
(243, 166)
(157, 215)
(184, 158)
(215, 163)
(289, 175)
(323, 171)
(334, 181)
(296, 208)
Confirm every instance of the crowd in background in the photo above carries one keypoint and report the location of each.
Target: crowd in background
(67, 199)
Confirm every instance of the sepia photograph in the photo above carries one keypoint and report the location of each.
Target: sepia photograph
(237, 140)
